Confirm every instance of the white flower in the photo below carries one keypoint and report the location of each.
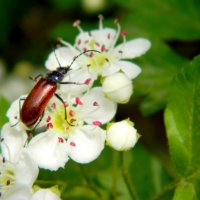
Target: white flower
(122, 135)
(48, 150)
(13, 142)
(118, 87)
(86, 144)
(78, 137)
(19, 192)
(79, 75)
(111, 58)
(46, 194)
(17, 171)
(13, 114)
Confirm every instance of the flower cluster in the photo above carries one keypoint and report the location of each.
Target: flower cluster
(73, 128)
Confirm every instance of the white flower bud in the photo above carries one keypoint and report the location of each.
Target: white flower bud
(52, 193)
(122, 136)
(118, 87)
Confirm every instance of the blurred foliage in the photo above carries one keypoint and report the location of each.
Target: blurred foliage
(4, 105)
(28, 32)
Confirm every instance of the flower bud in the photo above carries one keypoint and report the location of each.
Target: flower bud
(52, 193)
(118, 87)
(122, 136)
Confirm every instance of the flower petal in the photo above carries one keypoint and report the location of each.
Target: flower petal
(85, 144)
(13, 114)
(80, 77)
(26, 171)
(45, 194)
(96, 39)
(96, 107)
(13, 142)
(111, 69)
(61, 57)
(133, 48)
(18, 192)
(48, 150)
(104, 36)
(130, 69)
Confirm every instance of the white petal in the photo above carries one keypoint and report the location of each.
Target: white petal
(130, 69)
(45, 194)
(96, 107)
(85, 145)
(48, 150)
(13, 114)
(111, 69)
(81, 39)
(95, 39)
(79, 77)
(104, 36)
(19, 192)
(26, 171)
(63, 57)
(132, 48)
(13, 142)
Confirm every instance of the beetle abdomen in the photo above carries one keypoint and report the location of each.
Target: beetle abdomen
(36, 101)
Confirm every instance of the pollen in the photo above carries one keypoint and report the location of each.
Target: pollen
(53, 105)
(71, 113)
(97, 123)
(72, 144)
(78, 101)
(60, 140)
(48, 119)
(87, 81)
(95, 103)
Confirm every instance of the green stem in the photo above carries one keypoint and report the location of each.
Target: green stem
(173, 185)
(88, 181)
(125, 175)
(114, 174)
(165, 190)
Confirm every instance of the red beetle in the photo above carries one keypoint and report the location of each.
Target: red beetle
(37, 100)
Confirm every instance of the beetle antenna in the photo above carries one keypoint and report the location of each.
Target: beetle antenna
(80, 55)
(54, 51)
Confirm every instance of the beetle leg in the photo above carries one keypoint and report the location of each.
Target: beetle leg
(20, 100)
(20, 106)
(75, 83)
(59, 97)
(37, 123)
(36, 77)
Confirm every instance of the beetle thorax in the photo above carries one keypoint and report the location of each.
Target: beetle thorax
(58, 75)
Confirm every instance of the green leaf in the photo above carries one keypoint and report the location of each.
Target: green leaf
(185, 191)
(148, 174)
(182, 119)
(163, 19)
(159, 66)
(4, 105)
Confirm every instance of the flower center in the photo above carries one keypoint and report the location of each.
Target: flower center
(98, 63)
(7, 177)
(61, 124)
